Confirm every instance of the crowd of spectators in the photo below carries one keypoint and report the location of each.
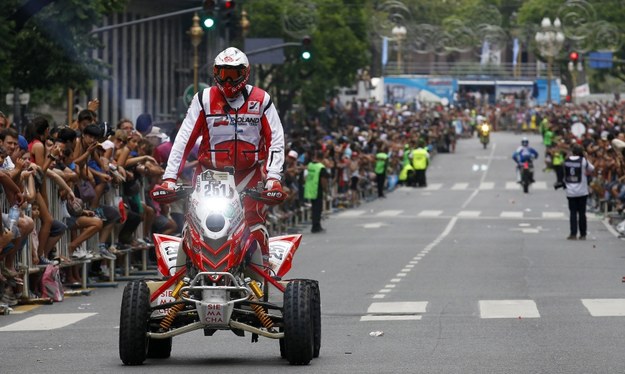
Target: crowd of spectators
(98, 175)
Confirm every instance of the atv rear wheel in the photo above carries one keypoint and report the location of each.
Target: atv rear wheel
(299, 339)
(133, 323)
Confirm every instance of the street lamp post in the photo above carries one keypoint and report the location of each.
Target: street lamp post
(549, 39)
(245, 23)
(399, 32)
(196, 33)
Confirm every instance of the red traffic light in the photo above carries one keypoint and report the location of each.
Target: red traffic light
(229, 4)
(574, 56)
(306, 41)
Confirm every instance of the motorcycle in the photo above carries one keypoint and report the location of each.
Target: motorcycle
(484, 134)
(214, 278)
(527, 175)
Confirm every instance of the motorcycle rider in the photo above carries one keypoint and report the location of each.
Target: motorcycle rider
(239, 128)
(522, 154)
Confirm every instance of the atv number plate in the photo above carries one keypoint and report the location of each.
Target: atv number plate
(215, 313)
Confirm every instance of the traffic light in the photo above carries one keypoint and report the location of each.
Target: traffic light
(228, 5)
(227, 18)
(574, 57)
(306, 51)
(209, 20)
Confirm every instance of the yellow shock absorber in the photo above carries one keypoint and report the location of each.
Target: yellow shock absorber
(173, 311)
(259, 310)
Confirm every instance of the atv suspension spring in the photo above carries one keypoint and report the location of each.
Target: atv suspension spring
(262, 316)
(171, 315)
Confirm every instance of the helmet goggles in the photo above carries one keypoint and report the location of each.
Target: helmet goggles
(233, 74)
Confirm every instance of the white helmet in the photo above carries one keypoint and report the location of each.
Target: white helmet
(231, 71)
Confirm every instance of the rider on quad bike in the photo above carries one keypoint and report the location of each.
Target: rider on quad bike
(240, 129)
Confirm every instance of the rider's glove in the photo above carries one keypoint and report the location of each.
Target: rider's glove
(169, 184)
(273, 193)
(273, 184)
(165, 192)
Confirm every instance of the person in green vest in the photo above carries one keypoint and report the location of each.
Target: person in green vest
(406, 174)
(548, 143)
(558, 154)
(420, 162)
(381, 165)
(315, 187)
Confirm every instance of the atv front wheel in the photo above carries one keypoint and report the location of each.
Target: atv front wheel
(159, 348)
(133, 323)
(299, 339)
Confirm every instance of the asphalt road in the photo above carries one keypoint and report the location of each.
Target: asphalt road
(468, 275)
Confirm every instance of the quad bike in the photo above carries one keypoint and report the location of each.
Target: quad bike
(214, 278)
(527, 175)
(484, 134)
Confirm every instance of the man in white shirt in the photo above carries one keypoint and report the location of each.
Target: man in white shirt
(577, 168)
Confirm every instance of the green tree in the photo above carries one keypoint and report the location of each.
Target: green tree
(53, 49)
(339, 42)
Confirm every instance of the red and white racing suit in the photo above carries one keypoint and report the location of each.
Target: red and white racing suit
(245, 133)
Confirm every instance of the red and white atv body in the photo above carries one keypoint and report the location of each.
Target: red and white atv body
(215, 278)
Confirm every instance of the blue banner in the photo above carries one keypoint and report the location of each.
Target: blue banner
(600, 60)
(403, 90)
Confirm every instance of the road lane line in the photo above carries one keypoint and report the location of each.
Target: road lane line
(47, 321)
(508, 309)
(605, 307)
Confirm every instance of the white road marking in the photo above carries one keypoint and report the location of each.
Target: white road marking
(512, 186)
(389, 213)
(553, 215)
(434, 186)
(430, 213)
(351, 213)
(530, 231)
(405, 270)
(390, 318)
(539, 185)
(605, 307)
(395, 280)
(487, 185)
(460, 186)
(373, 225)
(469, 213)
(508, 309)
(379, 296)
(506, 214)
(47, 321)
(385, 290)
(400, 274)
(398, 307)
(390, 286)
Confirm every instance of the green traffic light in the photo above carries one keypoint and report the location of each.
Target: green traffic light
(306, 55)
(208, 22)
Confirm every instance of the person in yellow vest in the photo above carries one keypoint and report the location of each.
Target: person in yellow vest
(381, 164)
(314, 189)
(420, 162)
(406, 175)
(558, 154)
